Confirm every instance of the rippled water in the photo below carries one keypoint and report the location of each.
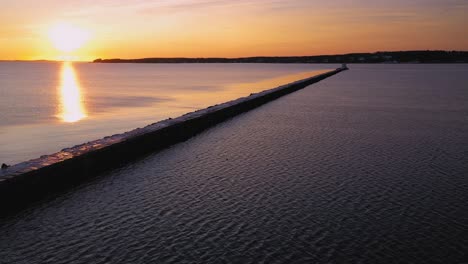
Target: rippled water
(368, 166)
(45, 107)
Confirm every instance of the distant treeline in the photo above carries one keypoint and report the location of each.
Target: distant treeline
(377, 57)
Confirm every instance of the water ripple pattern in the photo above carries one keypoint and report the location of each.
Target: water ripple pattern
(369, 166)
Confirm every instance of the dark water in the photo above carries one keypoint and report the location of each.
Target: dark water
(368, 166)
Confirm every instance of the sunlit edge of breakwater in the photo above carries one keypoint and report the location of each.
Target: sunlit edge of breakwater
(23, 181)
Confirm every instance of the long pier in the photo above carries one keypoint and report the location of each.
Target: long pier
(28, 181)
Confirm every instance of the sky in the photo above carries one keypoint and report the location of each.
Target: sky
(90, 29)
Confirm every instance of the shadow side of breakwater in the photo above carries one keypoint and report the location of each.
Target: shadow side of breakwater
(30, 181)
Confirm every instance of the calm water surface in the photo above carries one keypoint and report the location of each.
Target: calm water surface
(45, 107)
(368, 166)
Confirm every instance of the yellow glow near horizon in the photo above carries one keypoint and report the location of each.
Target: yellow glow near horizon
(67, 37)
(71, 103)
(192, 28)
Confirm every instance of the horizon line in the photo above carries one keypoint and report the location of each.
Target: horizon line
(233, 58)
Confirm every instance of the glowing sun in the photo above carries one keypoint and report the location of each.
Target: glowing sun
(67, 38)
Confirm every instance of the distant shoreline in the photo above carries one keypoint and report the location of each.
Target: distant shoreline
(415, 57)
(384, 57)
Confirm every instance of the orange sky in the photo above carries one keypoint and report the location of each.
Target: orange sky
(225, 28)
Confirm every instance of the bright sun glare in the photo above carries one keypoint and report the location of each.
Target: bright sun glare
(71, 101)
(67, 38)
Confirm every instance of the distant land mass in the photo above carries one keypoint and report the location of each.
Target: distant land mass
(424, 56)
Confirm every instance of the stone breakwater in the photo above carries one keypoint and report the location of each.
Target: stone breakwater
(25, 182)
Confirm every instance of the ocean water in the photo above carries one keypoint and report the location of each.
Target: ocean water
(45, 107)
(368, 166)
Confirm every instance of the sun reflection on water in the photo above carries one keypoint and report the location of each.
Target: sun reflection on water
(71, 102)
